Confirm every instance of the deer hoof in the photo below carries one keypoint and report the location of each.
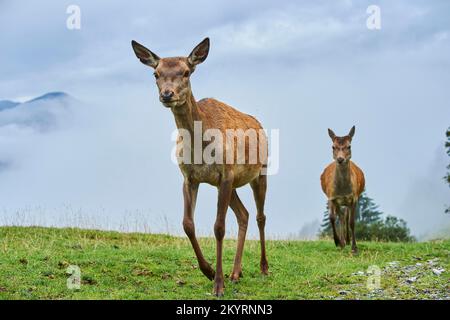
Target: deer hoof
(265, 268)
(235, 276)
(208, 272)
(337, 242)
(218, 288)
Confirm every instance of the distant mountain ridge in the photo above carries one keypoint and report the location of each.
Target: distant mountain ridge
(50, 96)
(8, 104)
(42, 113)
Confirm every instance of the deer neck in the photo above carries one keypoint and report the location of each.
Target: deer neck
(186, 114)
(342, 179)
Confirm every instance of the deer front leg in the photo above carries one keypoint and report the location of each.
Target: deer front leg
(333, 210)
(342, 225)
(242, 219)
(190, 191)
(347, 216)
(225, 190)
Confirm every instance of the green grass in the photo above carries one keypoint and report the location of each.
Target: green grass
(33, 264)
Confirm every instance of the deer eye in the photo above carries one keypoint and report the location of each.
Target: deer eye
(186, 74)
(156, 75)
(334, 148)
(349, 148)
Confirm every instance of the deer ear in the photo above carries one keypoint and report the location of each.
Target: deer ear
(146, 56)
(200, 53)
(352, 132)
(331, 134)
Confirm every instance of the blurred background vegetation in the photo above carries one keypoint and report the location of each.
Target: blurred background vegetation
(371, 225)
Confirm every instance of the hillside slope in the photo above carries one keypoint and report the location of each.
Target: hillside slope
(34, 262)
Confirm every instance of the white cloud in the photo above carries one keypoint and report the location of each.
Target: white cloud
(277, 31)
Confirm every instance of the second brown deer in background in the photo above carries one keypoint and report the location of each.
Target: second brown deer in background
(343, 182)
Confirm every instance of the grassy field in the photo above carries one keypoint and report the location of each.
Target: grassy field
(34, 262)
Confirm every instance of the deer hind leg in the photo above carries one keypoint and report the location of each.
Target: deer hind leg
(347, 225)
(242, 219)
(352, 226)
(190, 191)
(259, 187)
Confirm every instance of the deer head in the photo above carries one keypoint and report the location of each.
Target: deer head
(173, 74)
(342, 150)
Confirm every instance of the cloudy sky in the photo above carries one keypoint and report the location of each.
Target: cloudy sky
(298, 66)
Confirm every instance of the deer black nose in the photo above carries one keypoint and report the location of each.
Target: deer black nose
(340, 160)
(166, 95)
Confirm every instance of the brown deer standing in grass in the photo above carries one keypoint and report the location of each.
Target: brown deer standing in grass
(172, 78)
(343, 182)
